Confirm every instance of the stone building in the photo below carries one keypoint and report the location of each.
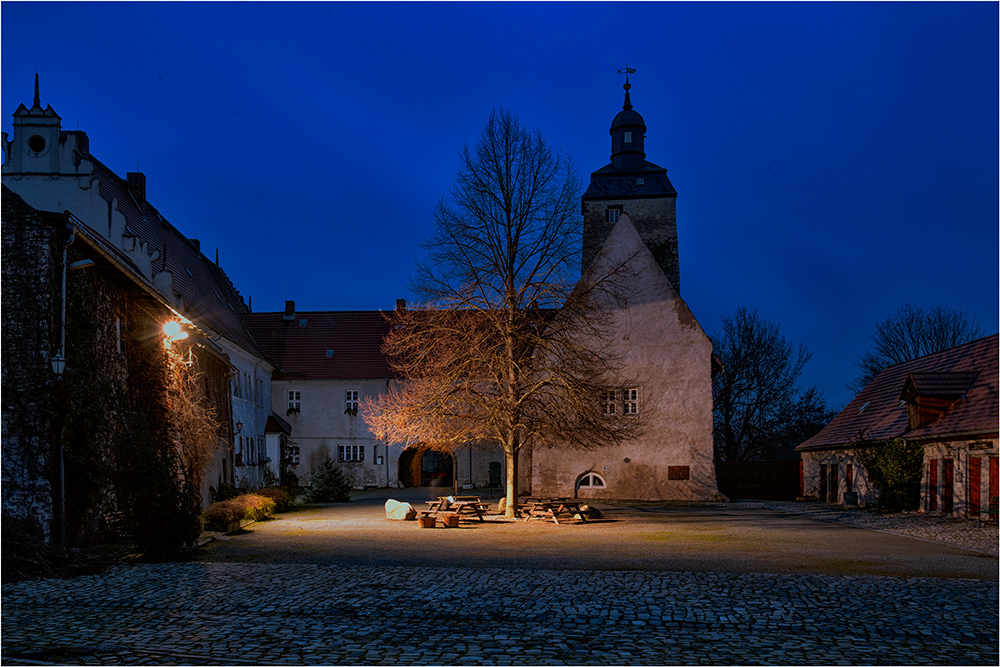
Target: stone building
(629, 218)
(88, 373)
(329, 363)
(946, 402)
(52, 169)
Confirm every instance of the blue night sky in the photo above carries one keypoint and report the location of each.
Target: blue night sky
(833, 161)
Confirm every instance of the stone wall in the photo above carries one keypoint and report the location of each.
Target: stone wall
(29, 301)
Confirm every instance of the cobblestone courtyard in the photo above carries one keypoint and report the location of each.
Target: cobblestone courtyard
(224, 610)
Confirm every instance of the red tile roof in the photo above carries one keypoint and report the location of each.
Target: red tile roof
(324, 345)
(967, 373)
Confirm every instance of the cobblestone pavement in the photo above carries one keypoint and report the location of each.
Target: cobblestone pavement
(232, 612)
(969, 535)
(249, 613)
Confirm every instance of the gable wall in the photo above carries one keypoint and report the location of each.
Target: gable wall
(663, 345)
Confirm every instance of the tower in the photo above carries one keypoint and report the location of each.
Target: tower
(632, 185)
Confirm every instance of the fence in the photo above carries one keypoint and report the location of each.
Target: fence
(760, 480)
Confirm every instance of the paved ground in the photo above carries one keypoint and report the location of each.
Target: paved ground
(651, 585)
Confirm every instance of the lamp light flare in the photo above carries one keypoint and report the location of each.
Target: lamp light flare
(172, 330)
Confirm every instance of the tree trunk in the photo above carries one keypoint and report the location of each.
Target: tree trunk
(511, 456)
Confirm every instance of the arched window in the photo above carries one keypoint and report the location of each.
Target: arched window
(590, 480)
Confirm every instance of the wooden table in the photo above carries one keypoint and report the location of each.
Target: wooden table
(467, 505)
(550, 508)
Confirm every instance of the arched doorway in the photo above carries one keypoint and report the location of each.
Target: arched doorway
(420, 466)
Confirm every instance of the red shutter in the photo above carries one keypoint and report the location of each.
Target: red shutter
(975, 485)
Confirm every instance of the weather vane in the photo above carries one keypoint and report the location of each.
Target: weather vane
(626, 71)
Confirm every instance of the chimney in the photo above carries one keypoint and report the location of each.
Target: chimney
(289, 311)
(196, 243)
(400, 304)
(136, 181)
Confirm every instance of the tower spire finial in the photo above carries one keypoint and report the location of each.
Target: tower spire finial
(38, 99)
(626, 71)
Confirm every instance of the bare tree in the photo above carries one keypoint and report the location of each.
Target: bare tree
(913, 332)
(758, 410)
(507, 347)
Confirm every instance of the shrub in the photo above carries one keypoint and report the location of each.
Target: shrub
(281, 497)
(223, 513)
(328, 484)
(257, 506)
(251, 506)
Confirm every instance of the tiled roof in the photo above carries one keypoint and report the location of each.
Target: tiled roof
(208, 296)
(879, 413)
(325, 345)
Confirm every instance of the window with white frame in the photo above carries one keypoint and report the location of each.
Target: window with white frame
(349, 453)
(591, 480)
(237, 384)
(630, 406)
(294, 401)
(292, 454)
(614, 214)
(609, 402)
(351, 401)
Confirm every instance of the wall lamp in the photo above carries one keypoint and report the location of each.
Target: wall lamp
(172, 330)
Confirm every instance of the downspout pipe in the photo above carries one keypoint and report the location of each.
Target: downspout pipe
(61, 450)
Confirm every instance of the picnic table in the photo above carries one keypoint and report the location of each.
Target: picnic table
(550, 508)
(467, 505)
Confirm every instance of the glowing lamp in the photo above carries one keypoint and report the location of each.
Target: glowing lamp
(172, 330)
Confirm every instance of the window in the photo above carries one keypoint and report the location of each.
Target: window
(259, 391)
(631, 404)
(614, 214)
(628, 137)
(292, 455)
(640, 181)
(351, 401)
(591, 480)
(624, 402)
(118, 334)
(351, 452)
(237, 383)
(294, 401)
(609, 402)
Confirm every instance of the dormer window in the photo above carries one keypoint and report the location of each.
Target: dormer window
(628, 137)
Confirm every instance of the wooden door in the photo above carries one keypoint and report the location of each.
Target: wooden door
(975, 486)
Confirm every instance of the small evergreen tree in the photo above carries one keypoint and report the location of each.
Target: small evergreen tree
(328, 484)
(895, 468)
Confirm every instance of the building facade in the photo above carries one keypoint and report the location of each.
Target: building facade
(944, 402)
(52, 169)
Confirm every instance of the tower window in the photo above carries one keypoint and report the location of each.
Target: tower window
(614, 214)
(36, 144)
(628, 137)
